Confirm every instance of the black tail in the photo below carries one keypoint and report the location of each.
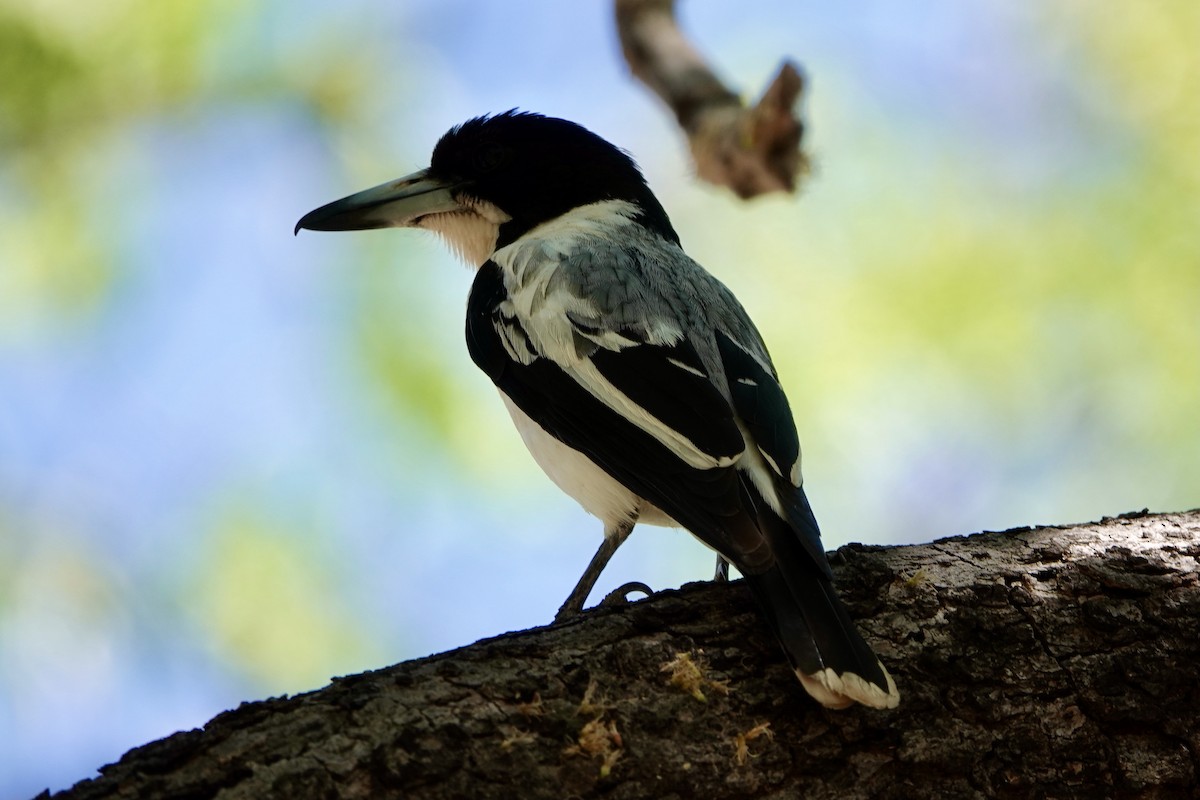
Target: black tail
(797, 597)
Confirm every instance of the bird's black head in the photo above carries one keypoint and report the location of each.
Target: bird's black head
(492, 179)
(536, 168)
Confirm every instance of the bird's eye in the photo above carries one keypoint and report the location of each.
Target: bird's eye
(492, 157)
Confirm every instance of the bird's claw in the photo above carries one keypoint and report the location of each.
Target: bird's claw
(617, 597)
(620, 595)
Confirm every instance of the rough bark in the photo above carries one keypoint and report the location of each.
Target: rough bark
(752, 150)
(1048, 662)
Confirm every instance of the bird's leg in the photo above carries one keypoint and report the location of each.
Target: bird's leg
(613, 537)
(722, 573)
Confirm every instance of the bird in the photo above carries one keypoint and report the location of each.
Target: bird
(634, 377)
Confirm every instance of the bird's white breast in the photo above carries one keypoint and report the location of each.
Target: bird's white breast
(598, 492)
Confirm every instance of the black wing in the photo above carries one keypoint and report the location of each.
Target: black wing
(763, 407)
(666, 381)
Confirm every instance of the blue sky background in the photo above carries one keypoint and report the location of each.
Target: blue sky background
(234, 462)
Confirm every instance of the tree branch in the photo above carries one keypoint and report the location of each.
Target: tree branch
(751, 150)
(1035, 662)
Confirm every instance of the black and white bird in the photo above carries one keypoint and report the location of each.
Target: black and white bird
(636, 379)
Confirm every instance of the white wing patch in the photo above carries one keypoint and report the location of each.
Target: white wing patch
(586, 375)
(554, 317)
(609, 340)
(512, 338)
(685, 367)
(754, 464)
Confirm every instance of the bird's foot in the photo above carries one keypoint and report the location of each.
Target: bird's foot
(620, 595)
(613, 536)
(617, 597)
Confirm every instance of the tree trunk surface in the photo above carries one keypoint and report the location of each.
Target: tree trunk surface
(1046, 662)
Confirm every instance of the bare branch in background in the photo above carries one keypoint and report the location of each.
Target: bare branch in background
(751, 150)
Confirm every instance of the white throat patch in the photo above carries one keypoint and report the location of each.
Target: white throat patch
(470, 232)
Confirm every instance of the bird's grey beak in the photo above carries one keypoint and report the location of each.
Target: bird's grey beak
(395, 204)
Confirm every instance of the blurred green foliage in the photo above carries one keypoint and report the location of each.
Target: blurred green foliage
(73, 75)
(76, 77)
(267, 600)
